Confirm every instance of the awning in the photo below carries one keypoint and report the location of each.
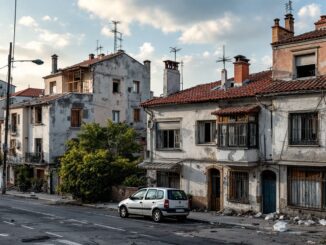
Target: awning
(237, 110)
(171, 165)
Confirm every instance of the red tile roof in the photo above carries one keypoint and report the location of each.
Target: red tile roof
(302, 85)
(237, 110)
(207, 93)
(29, 92)
(303, 37)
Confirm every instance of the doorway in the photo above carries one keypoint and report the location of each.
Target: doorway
(215, 189)
(268, 192)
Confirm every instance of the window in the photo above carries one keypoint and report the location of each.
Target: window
(139, 195)
(116, 116)
(305, 65)
(137, 115)
(53, 87)
(151, 194)
(238, 186)
(116, 86)
(12, 147)
(168, 135)
(304, 128)
(307, 187)
(76, 117)
(237, 131)
(177, 195)
(168, 179)
(206, 131)
(14, 123)
(38, 145)
(38, 115)
(136, 87)
(74, 81)
(160, 194)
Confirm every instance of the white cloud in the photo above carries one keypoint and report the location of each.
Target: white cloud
(49, 18)
(307, 15)
(146, 51)
(106, 31)
(206, 54)
(27, 21)
(267, 61)
(57, 39)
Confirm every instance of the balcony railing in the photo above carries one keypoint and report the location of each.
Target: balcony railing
(34, 157)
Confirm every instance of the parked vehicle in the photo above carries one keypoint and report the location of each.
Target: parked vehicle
(157, 202)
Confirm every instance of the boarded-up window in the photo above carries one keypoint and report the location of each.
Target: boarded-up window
(239, 186)
(137, 115)
(76, 117)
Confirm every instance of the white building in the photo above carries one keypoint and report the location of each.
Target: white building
(253, 142)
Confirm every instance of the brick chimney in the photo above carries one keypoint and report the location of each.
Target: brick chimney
(280, 33)
(54, 64)
(289, 22)
(171, 78)
(91, 56)
(321, 24)
(241, 69)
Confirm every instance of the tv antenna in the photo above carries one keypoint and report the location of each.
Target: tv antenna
(115, 32)
(174, 50)
(98, 48)
(288, 7)
(120, 40)
(223, 59)
(182, 64)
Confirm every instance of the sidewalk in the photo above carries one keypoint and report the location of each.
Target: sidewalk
(259, 224)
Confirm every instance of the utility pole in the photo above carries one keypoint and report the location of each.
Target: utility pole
(5, 145)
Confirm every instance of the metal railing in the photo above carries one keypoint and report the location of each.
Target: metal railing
(34, 157)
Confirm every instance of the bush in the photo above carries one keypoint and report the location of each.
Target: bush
(135, 181)
(24, 176)
(37, 185)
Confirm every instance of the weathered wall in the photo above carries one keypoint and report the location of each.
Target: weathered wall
(59, 84)
(120, 193)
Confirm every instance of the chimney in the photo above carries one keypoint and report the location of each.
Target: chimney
(289, 22)
(224, 77)
(241, 69)
(91, 56)
(100, 56)
(171, 78)
(54, 64)
(321, 24)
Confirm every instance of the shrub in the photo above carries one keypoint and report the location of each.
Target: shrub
(135, 181)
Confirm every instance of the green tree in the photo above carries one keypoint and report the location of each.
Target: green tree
(99, 158)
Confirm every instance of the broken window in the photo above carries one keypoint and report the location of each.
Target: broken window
(206, 132)
(238, 186)
(303, 128)
(305, 65)
(116, 116)
(237, 131)
(136, 87)
(76, 117)
(168, 135)
(53, 87)
(116, 86)
(307, 187)
(136, 115)
(38, 115)
(14, 123)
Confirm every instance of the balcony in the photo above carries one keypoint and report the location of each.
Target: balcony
(34, 157)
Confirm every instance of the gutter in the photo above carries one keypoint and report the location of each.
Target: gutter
(151, 133)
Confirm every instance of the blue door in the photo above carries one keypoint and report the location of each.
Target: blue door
(269, 192)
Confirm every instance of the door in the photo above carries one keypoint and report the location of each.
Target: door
(268, 192)
(215, 182)
(135, 202)
(149, 201)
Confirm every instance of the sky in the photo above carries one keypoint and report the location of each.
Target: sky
(200, 28)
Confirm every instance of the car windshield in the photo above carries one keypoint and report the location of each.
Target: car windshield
(177, 195)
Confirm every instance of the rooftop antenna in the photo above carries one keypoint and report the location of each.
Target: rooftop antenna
(223, 59)
(181, 63)
(98, 47)
(120, 40)
(288, 7)
(115, 32)
(174, 50)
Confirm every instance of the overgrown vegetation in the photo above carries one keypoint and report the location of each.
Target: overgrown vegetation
(24, 175)
(100, 158)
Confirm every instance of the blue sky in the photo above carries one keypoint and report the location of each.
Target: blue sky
(199, 27)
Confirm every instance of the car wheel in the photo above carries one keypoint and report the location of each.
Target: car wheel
(123, 212)
(157, 215)
(181, 218)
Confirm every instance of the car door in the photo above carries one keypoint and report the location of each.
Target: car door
(149, 201)
(135, 203)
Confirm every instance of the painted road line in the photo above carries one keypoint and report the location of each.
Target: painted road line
(4, 235)
(146, 235)
(27, 227)
(109, 227)
(53, 234)
(67, 242)
(35, 212)
(78, 221)
(9, 223)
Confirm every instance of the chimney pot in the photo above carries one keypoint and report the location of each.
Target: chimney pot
(54, 64)
(241, 69)
(91, 56)
(276, 22)
(289, 22)
(321, 24)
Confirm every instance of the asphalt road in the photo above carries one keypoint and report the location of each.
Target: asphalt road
(25, 221)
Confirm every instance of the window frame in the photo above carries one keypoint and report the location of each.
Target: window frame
(38, 111)
(233, 186)
(136, 87)
(300, 53)
(213, 134)
(53, 87)
(14, 123)
(301, 142)
(136, 114)
(116, 89)
(78, 117)
(114, 113)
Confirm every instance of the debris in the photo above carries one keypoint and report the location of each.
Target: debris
(322, 222)
(281, 217)
(258, 215)
(269, 216)
(280, 226)
(296, 218)
(300, 222)
(228, 212)
(309, 222)
(311, 242)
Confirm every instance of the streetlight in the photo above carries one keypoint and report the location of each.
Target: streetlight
(5, 145)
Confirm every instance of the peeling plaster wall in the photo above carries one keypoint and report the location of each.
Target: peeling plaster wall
(59, 84)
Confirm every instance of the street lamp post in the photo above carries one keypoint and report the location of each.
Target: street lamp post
(5, 145)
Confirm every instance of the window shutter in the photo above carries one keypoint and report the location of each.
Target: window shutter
(304, 60)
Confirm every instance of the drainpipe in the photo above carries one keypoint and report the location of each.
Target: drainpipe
(151, 141)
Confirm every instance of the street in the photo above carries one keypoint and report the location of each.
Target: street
(26, 221)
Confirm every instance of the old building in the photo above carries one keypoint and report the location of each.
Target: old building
(95, 90)
(252, 142)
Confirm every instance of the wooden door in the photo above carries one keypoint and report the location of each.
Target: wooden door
(215, 182)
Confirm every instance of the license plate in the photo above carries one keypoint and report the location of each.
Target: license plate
(179, 210)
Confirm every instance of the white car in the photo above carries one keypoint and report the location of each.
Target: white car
(157, 202)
